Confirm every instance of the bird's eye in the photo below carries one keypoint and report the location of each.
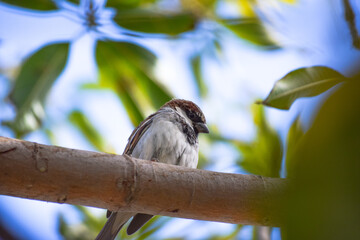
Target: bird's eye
(191, 115)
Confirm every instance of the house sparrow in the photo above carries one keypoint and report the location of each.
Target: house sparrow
(169, 136)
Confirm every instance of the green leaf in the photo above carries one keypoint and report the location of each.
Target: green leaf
(129, 4)
(251, 30)
(246, 8)
(157, 94)
(262, 156)
(289, 1)
(88, 218)
(62, 226)
(112, 77)
(33, 4)
(152, 226)
(198, 76)
(34, 81)
(303, 82)
(156, 22)
(294, 137)
(351, 21)
(77, 2)
(79, 120)
(50, 136)
(148, 233)
(127, 69)
(324, 186)
(145, 232)
(128, 101)
(230, 236)
(87, 229)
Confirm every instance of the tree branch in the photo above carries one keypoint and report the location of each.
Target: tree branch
(121, 183)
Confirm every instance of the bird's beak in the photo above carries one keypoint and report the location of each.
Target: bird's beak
(201, 127)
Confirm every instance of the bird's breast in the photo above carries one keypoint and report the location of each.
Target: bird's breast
(165, 142)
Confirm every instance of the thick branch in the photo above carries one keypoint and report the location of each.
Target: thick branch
(56, 174)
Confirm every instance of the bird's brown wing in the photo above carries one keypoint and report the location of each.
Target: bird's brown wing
(137, 133)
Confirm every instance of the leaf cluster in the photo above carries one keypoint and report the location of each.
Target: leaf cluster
(125, 68)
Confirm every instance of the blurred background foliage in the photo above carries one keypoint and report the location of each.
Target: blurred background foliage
(322, 160)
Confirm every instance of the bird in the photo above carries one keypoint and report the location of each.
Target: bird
(170, 136)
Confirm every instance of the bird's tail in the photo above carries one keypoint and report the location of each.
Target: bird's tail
(113, 225)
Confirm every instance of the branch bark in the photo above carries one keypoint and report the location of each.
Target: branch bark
(121, 183)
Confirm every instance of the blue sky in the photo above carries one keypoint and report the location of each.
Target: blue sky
(313, 33)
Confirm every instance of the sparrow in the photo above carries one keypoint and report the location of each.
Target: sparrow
(169, 135)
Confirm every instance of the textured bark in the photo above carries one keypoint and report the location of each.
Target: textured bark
(62, 175)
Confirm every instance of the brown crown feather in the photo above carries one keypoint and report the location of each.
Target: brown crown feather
(186, 106)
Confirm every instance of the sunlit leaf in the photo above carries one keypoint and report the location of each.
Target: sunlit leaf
(128, 4)
(88, 218)
(80, 121)
(33, 4)
(112, 76)
(198, 76)
(33, 83)
(251, 30)
(217, 46)
(62, 227)
(152, 226)
(128, 101)
(127, 69)
(200, 8)
(87, 229)
(303, 82)
(156, 93)
(121, 89)
(294, 136)
(149, 228)
(289, 1)
(147, 234)
(246, 8)
(203, 160)
(156, 22)
(50, 136)
(232, 235)
(262, 156)
(149, 231)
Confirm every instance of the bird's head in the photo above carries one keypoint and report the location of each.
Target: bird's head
(191, 112)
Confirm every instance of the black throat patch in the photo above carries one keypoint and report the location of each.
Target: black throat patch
(188, 131)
